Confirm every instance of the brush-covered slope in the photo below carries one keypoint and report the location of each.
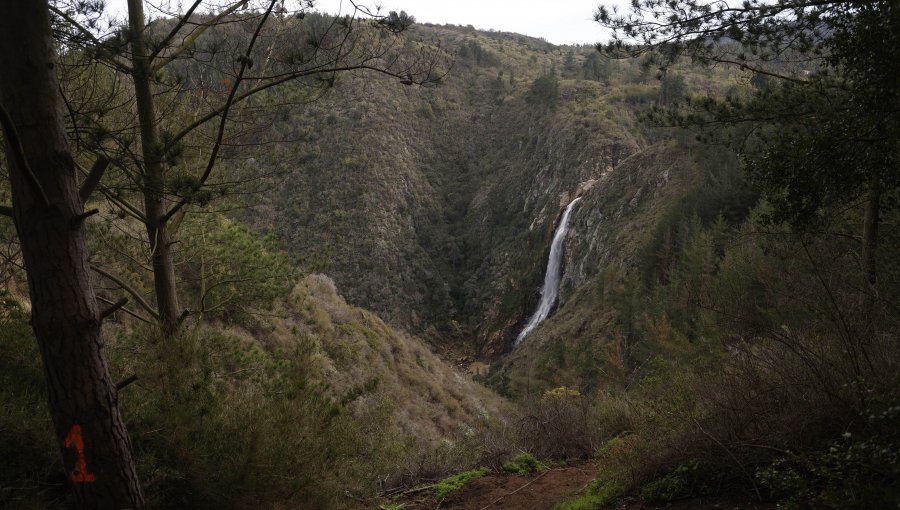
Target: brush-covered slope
(434, 206)
(389, 379)
(318, 404)
(624, 246)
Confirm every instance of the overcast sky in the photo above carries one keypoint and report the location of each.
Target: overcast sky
(557, 21)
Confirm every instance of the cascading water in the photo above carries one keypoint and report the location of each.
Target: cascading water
(550, 290)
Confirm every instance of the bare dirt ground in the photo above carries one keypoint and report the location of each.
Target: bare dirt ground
(513, 492)
(542, 491)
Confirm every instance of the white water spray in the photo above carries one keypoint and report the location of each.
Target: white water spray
(550, 290)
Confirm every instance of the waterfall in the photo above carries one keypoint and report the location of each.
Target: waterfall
(550, 290)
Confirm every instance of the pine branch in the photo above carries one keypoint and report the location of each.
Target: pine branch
(182, 21)
(93, 178)
(129, 289)
(189, 41)
(117, 64)
(246, 63)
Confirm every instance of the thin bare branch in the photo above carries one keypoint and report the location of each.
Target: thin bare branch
(126, 310)
(189, 41)
(125, 382)
(285, 78)
(181, 22)
(214, 153)
(113, 308)
(129, 289)
(114, 63)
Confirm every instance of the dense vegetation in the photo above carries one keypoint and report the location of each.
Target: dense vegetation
(727, 324)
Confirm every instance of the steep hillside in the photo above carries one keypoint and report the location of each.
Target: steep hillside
(435, 206)
(315, 402)
(387, 378)
(626, 225)
(350, 254)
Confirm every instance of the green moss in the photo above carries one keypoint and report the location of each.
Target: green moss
(453, 483)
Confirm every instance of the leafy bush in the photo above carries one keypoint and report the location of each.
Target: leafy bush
(858, 471)
(523, 463)
(684, 481)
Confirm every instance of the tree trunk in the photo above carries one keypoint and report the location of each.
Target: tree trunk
(96, 450)
(870, 231)
(158, 233)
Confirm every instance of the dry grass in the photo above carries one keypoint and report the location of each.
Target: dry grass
(426, 414)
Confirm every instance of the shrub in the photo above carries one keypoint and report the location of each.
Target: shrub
(684, 481)
(523, 463)
(857, 471)
(221, 423)
(560, 425)
(598, 493)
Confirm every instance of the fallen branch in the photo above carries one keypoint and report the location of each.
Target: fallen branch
(418, 489)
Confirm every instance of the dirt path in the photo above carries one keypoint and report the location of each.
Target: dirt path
(542, 491)
(513, 492)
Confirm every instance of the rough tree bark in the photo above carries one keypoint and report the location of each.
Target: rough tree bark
(870, 231)
(164, 280)
(49, 217)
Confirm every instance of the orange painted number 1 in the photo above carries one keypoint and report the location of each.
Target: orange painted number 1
(81, 473)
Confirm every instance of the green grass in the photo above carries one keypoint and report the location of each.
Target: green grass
(600, 492)
(453, 483)
(29, 474)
